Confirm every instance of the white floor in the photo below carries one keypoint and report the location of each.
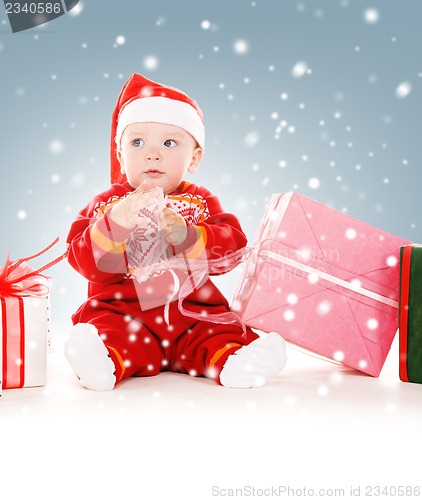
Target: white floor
(316, 426)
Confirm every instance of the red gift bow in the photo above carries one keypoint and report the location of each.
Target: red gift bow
(17, 277)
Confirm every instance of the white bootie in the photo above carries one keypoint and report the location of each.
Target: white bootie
(253, 364)
(90, 359)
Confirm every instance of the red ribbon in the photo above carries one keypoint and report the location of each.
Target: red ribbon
(17, 280)
(404, 311)
(17, 277)
(13, 325)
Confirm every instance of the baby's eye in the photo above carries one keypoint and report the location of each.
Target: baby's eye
(170, 143)
(138, 142)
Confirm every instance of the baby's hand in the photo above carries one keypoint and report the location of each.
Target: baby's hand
(127, 212)
(175, 226)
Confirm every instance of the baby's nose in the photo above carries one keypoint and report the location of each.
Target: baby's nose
(152, 155)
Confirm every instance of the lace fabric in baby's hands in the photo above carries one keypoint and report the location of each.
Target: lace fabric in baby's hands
(148, 257)
(147, 245)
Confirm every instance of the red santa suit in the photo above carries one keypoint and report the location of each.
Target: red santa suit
(140, 337)
(168, 317)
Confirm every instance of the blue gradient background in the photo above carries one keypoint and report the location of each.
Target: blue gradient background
(60, 82)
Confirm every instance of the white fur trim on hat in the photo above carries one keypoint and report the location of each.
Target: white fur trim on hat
(161, 110)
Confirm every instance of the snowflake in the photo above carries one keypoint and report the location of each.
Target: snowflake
(289, 315)
(403, 90)
(351, 233)
(151, 63)
(372, 324)
(241, 47)
(292, 298)
(371, 16)
(300, 69)
(56, 146)
(314, 183)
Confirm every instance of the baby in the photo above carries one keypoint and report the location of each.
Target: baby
(140, 327)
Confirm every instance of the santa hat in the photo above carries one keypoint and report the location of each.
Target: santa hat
(141, 101)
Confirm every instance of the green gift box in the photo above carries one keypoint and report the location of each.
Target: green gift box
(410, 314)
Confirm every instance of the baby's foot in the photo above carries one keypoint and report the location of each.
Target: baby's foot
(252, 364)
(90, 359)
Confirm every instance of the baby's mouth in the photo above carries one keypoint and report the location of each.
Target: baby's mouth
(154, 172)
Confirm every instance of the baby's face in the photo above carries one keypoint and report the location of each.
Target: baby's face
(158, 153)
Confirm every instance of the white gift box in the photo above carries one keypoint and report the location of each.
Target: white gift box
(25, 322)
(24, 336)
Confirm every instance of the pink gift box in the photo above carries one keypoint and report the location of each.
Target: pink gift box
(324, 281)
